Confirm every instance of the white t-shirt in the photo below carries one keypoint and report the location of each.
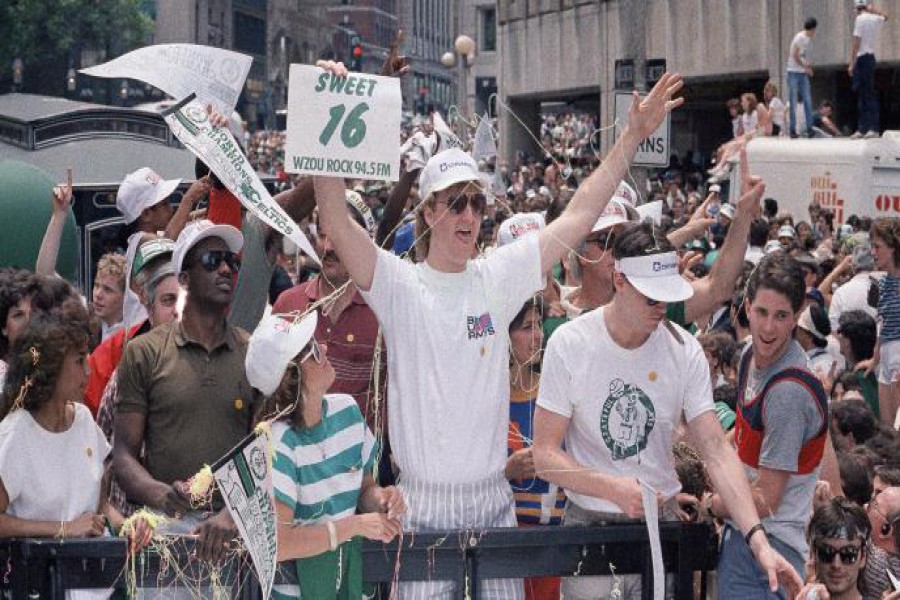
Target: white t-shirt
(852, 295)
(51, 476)
(866, 29)
(800, 41)
(624, 405)
(750, 121)
(447, 337)
(776, 112)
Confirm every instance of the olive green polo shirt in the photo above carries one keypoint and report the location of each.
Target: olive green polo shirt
(198, 405)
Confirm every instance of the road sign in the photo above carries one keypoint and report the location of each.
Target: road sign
(653, 151)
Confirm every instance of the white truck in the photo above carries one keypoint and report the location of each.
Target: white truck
(850, 177)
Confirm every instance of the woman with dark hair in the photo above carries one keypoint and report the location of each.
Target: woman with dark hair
(538, 502)
(15, 310)
(324, 457)
(52, 454)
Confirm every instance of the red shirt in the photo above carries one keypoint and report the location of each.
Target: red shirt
(104, 360)
(224, 208)
(351, 346)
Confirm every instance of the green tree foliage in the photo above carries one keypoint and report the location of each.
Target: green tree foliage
(48, 34)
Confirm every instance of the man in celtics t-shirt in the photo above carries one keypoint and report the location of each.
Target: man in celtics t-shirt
(615, 384)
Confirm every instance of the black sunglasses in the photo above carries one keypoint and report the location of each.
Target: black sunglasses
(849, 554)
(211, 260)
(459, 202)
(649, 301)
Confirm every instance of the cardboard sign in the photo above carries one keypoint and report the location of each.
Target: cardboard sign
(217, 76)
(653, 151)
(343, 126)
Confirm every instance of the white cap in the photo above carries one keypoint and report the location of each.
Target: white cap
(142, 189)
(197, 231)
(275, 342)
(806, 323)
(715, 188)
(727, 210)
(519, 226)
(544, 190)
(530, 194)
(786, 231)
(656, 276)
(446, 168)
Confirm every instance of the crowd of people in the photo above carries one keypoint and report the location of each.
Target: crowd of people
(557, 350)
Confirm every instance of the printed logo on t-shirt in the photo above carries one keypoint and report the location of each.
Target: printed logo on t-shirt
(627, 418)
(480, 326)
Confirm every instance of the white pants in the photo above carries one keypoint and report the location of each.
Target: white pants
(441, 506)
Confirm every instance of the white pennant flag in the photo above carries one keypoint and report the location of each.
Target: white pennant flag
(216, 147)
(244, 478)
(217, 76)
(484, 147)
(447, 137)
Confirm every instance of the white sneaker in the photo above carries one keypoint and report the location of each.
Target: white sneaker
(871, 135)
(856, 136)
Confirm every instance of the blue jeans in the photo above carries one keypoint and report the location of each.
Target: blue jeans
(799, 83)
(740, 577)
(866, 98)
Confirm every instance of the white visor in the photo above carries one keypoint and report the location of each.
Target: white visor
(656, 276)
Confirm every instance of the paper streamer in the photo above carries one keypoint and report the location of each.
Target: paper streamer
(651, 514)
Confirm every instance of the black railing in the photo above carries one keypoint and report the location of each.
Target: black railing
(38, 568)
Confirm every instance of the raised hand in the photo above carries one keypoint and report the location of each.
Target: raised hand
(645, 115)
(336, 67)
(62, 194)
(396, 65)
(752, 188)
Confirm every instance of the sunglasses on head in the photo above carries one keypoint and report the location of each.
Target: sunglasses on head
(849, 554)
(459, 202)
(211, 260)
(314, 352)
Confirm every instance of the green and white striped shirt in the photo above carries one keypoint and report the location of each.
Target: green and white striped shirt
(319, 470)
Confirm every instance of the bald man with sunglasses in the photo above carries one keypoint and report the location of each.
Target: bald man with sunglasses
(445, 322)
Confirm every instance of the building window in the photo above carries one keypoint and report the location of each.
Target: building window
(489, 29)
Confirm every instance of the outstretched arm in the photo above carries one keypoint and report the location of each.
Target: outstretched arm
(718, 286)
(594, 193)
(61, 201)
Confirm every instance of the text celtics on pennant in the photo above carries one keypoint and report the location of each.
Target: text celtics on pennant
(343, 126)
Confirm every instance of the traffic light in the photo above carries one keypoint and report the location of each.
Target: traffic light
(356, 53)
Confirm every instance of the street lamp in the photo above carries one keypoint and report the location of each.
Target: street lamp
(465, 48)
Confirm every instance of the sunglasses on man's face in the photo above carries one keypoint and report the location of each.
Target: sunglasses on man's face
(211, 260)
(314, 352)
(849, 554)
(649, 301)
(459, 202)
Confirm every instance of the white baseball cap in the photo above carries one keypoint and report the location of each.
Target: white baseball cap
(362, 209)
(620, 209)
(727, 210)
(446, 168)
(193, 233)
(656, 276)
(142, 189)
(519, 226)
(275, 342)
(786, 231)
